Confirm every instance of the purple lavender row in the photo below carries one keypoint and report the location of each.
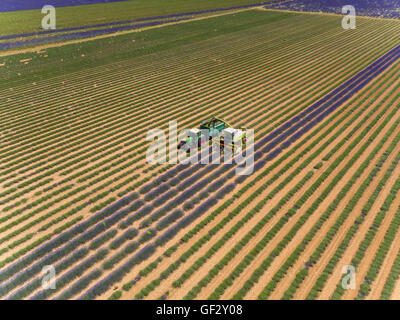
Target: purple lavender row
(114, 214)
(71, 275)
(74, 272)
(62, 30)
(325, 100)
(66, 278)
(73, 244)
(68, 238)
(353, 87)
(81, 35)
(19, 5)
(372, 8)
(118, 274)
(59, 267)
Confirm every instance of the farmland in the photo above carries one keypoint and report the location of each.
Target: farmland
(28, 16)
(77, 193)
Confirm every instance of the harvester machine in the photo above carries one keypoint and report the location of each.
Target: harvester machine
(217, 129)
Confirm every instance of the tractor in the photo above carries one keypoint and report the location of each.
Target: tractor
(217, 128)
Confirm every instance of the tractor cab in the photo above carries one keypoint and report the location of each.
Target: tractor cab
(214, 126)
(217, 129)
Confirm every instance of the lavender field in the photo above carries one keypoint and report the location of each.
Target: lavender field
(78, 193)
(372, 8)
(20, 5)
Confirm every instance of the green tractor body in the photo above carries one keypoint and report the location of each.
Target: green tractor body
(215, 127)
